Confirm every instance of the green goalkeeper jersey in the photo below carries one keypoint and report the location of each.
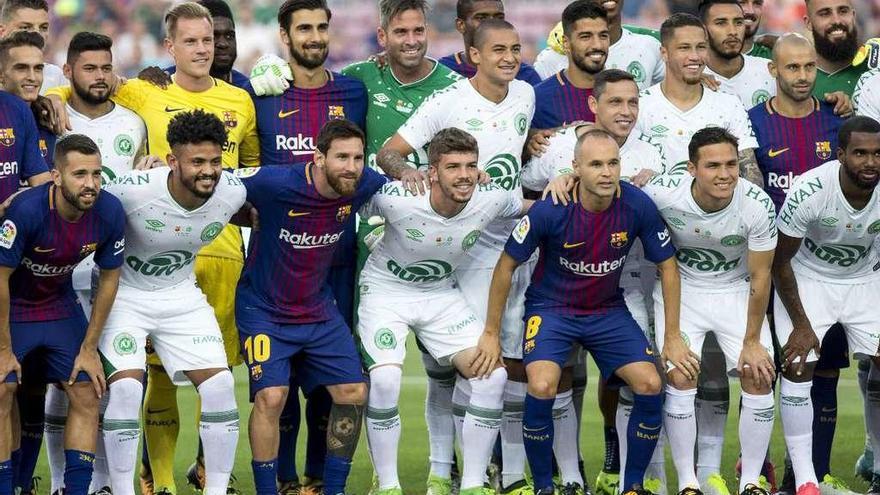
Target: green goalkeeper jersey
(843, 80)
(390, 103)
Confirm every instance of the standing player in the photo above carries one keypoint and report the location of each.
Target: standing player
(723, 228)
(753, 13)
(558, 314)
(638, 54)
(745, 76)
(469, 14)
(457, 211)
(562, 98)
(825, 257)
(172, 212)
(285, 308)
(47, 231)
(836, 37)
(496, 109)
(615, 102)
(33, 16)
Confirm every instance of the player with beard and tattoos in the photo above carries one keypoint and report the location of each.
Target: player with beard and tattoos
(836, 37)
(288, 126)
(562, 98)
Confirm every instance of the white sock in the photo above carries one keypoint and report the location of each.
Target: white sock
(872, 412)
(565, 447)
(100, 473)
(711, 422)
(796, 411)
(680, 422)
(481, 424)
(121, 433)
(512, 450)
(755, 429)
(383, 423)
(53, 432)
(218, 429)
(438, 416)
(461, 397)
(621, 420)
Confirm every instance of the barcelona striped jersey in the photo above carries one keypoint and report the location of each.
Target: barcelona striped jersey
(558, 103)
(20, 156)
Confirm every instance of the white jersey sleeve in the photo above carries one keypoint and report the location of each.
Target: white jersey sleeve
(53, 76)
(431, 116)
(741, 126)
(549, 62)
(866, 97)
(761, 217)
(556, 161)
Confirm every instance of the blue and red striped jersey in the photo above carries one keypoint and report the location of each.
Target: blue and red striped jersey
(558, 103)
(44, 249)
(289, 258)
(20, 156)
(47, 145)
(458, 63)
(582, 253)
(789, 147)
(288, 124)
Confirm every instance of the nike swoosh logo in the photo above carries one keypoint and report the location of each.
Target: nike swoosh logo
(646, 427)
(157, 411)
(571, 246)
(283, 115)
(774, 154)
(43, 250)
(170, 110)
(294, 214)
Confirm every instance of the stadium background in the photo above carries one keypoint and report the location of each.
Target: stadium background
(136, 29)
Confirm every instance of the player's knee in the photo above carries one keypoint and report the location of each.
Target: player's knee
(542, 388)
(349, 393)
(7, 392)
(385, 386)
(271, 400)
(678, 381)
(648, 384)
(83, 399)
(218, 392)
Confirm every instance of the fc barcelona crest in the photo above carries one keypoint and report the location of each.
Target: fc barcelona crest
(335, 112)
(343, 213)
(44, 149)
(619, 239)
(7, 136)
(823, 149)
(230, 119)
(88, 249)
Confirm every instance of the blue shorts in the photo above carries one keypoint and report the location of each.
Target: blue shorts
(834, 351)
(315, 354)
(613, 338)
(55, 345)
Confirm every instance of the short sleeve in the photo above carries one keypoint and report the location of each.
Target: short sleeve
(529, 232)
(371, 182)
(109, 254)
(513, 205)
(762, 231)
(866, 97)
(741, 127)
(134, 93)
(794, 215)
(659, 70)
(428, 119)
(261, 183)
(654, 234)
(16, 230)
(33, 162)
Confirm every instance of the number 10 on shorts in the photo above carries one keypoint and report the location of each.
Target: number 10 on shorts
(258, 348)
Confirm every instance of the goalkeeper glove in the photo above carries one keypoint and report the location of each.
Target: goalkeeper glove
(375, 235)
(554, 40)
(270, 76)
(870, 51)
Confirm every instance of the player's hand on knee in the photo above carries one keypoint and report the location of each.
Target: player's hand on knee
(89, 362)
(560, 188)
(843, 106)
(270, 76)
(374, 236)
(801, 341)
(9, 364)
(679, 355)
(756, 364)
(488, 355)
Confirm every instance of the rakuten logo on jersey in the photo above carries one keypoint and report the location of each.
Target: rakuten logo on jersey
(308, 241)
(592, 269)
(46, 270)
(8, 168)
(781, 181)
(297, 145)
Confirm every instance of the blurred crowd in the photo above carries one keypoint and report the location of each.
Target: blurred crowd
(136, 26)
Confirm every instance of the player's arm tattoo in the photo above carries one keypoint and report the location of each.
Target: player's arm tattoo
(748, 167)
(344, 429)
(392, 163)
(785, 281)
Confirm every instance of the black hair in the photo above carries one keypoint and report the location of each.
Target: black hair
(859, 123)
(705, 5)
(195, 127)
(285, 12)
(74, 142)
(581, 9)
(217, 8)
(451, 140)
(675, 21)
(464, 8)
(608, 76)
(708, 136)
(487, 25)
(19, 39)
(87, 42)
(337, 129)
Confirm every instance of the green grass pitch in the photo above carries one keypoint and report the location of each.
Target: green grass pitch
(414, 442)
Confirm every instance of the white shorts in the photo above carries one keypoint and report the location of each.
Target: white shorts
(475, 284)
(723, 313)
(852, 305)
(443, 322)
(638, 308)
(181, 326)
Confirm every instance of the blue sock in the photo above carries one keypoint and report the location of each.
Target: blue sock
(288, 429)
(6, 476)
(612, 451)
(15, 460)
(265, 474)
(641, 436)
(496, 452)
(317, 415)
(538, 439)
(336, 471)
(31, 441)
(78, 466)
(824, 396)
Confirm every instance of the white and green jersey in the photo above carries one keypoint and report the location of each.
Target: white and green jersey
(53, 76)
(713, 248)
(866, 97)
(673, 128)
(162, 237)
(421, 249)
(391, 102)
(638, 54)
(838, 240)
(119, 134)
(753, 84)
(636, 154)
(500, 130)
